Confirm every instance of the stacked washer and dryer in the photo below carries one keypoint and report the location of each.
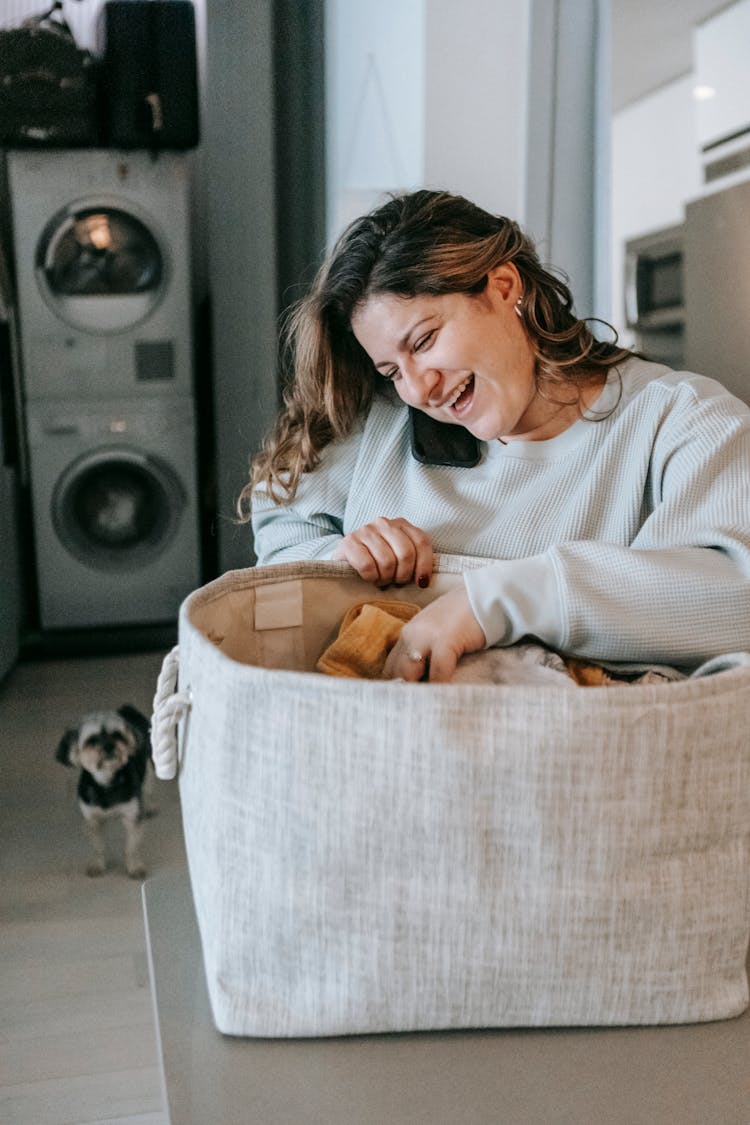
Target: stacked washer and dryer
(102, 248)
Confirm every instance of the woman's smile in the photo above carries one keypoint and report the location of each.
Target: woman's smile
(459, 357)
(460, 400)
(465, 358)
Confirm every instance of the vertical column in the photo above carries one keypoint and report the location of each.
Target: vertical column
(564, 125)
(239, 158)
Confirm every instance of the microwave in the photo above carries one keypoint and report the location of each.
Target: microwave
(654, 281)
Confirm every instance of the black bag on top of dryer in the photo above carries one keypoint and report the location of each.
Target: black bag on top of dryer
(48, 85)
(150, 73)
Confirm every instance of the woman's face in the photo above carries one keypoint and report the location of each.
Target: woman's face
(460, 358)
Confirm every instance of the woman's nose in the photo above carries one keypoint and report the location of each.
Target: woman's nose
(422, 384)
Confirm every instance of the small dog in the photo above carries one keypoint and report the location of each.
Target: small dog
(112, 750)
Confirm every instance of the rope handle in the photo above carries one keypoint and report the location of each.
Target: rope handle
(170, 706)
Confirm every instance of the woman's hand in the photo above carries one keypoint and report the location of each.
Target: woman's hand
(388, 551)
(432, 642)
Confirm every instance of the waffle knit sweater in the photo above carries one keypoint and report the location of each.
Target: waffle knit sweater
(622, 539)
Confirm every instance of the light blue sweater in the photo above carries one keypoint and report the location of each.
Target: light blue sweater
(622, 539)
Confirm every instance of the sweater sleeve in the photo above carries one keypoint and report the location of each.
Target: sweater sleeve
(679, 593)
(312, 525)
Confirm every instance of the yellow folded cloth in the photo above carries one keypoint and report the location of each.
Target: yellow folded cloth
(588, 675)
(367, 634)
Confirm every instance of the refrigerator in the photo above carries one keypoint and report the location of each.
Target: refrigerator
(717, 287)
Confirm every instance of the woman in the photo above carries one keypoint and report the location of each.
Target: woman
(611, 497)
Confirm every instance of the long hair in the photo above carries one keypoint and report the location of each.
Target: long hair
(422, 243)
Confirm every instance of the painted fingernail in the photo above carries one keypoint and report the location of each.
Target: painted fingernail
(423, 581)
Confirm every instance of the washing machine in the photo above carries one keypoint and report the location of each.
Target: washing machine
(115, 517)
(103, 271)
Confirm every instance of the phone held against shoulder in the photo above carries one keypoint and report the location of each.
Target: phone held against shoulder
(440, 443)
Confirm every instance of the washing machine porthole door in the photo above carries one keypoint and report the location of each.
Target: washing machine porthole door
(117, 509)
(100, 268)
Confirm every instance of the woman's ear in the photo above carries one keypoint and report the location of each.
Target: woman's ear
(505, 282)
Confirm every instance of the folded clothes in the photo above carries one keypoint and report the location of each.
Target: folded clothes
(369, 630)
(367, 634)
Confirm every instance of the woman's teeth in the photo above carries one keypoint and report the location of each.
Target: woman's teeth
(459, 391)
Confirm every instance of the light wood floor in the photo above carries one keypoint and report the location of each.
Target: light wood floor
(77, 1041)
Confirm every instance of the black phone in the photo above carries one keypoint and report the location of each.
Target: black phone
(440, 443)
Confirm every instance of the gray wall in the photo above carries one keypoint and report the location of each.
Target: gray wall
(262, 161)
(239, 166)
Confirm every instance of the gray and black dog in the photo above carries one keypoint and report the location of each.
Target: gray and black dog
(112, 749)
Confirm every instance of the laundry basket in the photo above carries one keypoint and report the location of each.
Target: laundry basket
(381, 856)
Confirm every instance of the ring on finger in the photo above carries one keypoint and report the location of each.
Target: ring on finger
(415, 655)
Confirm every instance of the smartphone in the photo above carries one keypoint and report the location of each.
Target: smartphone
(440, 443)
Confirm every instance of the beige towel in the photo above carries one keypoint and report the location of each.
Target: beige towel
(367, 634)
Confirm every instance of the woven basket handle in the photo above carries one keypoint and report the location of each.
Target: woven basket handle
(169, 707)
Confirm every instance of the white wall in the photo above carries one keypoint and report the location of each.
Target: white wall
(375, 58)
(475, 95)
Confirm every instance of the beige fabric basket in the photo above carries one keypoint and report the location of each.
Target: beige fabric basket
(380, 856)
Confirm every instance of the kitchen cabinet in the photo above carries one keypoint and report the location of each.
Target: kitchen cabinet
(722, 77)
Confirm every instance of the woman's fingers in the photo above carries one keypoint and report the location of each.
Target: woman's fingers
(409, 664)
(351, 550)
(443, 663)
(431, 644)
(403, 663)
(388, 551)
(411, 551)
(391, 549)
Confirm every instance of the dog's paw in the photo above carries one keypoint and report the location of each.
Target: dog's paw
(137, 871)
(95, 869)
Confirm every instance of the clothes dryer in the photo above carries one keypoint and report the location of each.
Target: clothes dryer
(114, 509)
(102, 247)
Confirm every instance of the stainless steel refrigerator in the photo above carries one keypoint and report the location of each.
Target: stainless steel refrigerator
(717, 287)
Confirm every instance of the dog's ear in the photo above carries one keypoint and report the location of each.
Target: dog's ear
(139, 724)
(67, 750)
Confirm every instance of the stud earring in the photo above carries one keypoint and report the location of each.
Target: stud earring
(517, 307)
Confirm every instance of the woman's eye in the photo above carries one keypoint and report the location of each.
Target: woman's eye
(391, 373)
(423, 341)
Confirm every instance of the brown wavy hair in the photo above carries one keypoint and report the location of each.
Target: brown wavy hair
(421, 243)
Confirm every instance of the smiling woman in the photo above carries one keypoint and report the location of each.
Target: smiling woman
(466, 359)
(427, 270)
(610, 495)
